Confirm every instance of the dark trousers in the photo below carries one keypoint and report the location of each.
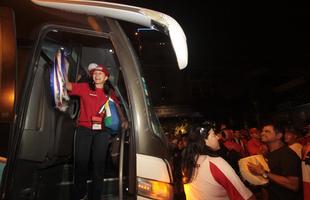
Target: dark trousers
(90, 149)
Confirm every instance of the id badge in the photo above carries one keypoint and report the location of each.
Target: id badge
(96, 123)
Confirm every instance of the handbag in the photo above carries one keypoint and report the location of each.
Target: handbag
(111, 117)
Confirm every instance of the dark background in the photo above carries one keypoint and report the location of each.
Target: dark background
(247, 60)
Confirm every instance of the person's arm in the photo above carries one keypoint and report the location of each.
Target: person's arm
(122, 116)
(120, 110)
(289, 182)
(77, 89)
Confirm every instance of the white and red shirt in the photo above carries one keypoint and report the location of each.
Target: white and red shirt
(306, 173)
(215, 179)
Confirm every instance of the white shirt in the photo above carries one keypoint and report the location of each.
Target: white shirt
(215, 180)
(297, 148)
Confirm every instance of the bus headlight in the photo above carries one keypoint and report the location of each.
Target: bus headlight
(154, 189)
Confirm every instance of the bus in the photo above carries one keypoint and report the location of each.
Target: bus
(37, 138)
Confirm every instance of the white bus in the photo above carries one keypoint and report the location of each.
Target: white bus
(38, 164)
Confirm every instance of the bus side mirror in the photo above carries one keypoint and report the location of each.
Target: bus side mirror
(7, 63)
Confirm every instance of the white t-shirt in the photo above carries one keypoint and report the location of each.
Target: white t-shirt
(297, 148)
(215, 179)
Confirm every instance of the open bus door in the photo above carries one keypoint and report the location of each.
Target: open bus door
(7, 78)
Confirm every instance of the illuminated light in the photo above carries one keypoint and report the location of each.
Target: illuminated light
(8, 99)
(111, 51)
(136, 33)
(186, 188)
(143, 186)
(154, 189)
(146, 29)
(160, 188)
(7, 103)
(3, 159)
(11, 97)
(181, 129)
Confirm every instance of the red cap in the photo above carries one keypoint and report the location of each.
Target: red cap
(95, 67)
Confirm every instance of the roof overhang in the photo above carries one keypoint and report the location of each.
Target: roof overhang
(142, 16)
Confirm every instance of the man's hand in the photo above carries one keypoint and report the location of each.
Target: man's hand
(125, 124)
(256, 169)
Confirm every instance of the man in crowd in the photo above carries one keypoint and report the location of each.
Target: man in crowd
(306, 139)
(241, 141)
(234, 150)
(285, 166)
(254, 145)
(291, 137)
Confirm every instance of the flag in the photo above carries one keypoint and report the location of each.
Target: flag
(59, 93)
(111, 119)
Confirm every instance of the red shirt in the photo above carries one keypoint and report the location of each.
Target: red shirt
(255, 147)
(90, 102)
(230, 145)
(305, 140)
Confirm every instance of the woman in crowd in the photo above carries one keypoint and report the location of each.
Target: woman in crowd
(205, 174)
(91, 140)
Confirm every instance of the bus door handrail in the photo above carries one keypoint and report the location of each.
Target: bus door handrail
(121, 162)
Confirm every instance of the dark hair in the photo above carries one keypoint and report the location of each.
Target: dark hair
(107, 87)
(276, 126)
(195, 146)
(293, 130)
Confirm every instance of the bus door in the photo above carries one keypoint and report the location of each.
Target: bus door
(44, 159)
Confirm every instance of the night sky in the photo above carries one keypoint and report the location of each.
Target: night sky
(240, 32)
(256, 54)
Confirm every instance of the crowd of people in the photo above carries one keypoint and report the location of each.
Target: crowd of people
(206, 162)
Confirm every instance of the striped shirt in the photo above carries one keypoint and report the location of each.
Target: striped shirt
(215, 179)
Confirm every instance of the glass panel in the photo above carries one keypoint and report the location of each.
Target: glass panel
(156, 126)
